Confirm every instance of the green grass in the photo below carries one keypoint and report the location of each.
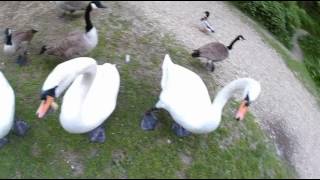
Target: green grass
(310, 47)
(235, 150)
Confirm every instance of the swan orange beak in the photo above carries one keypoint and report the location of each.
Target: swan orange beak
(45, 106)
(243, 109)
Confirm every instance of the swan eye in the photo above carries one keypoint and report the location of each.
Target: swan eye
(247, 100)
(51, 92)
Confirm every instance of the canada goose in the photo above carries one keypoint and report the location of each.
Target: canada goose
(215, 51)
(185, 96)
(77, 43)
(90, 97)
(204, 24)
(17, 42)
(8, 121)
(71, 6)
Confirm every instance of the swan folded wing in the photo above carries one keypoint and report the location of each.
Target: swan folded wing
(102, 97)
(82, 110)
(184, 89)
(214, 51)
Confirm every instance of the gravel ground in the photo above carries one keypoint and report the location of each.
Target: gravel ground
(285, 109)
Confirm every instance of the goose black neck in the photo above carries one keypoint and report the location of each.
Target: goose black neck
(232, 43)
(89, 25)
(8, 39)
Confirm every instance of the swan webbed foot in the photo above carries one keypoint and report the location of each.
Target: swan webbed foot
(149, 121)
(20, 127)
(180, 131)
(97, 135)
(22, 60)
(3, 142)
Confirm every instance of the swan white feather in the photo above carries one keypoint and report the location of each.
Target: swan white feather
(7, 104)
(185, 96)
(92, 96)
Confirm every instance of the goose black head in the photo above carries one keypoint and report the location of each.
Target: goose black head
(8, 36)
(97, 4)
(240, 37)
(207, 13)
(8, 31)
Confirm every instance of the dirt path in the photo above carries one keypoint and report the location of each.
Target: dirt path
(285, 108)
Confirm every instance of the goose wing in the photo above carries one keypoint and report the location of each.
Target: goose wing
(23, 36)
(71, 5)
(214, 51)
(70, 47)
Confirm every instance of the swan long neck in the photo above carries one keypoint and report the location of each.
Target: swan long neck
(66, 73)
(232, 43)
(89, 25)
(226, 93)
(88, 73)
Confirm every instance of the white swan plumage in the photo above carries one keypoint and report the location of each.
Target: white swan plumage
(8, 121)
(91, 97)
(7, 105)
(185, 96)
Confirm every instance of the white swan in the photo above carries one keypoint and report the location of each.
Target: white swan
(7, 111)
(185, 96)
(90, 99)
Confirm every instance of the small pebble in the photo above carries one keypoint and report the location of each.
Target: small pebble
(127, 58)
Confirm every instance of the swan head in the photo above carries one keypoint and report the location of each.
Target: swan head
(47, 102)
(251, 93)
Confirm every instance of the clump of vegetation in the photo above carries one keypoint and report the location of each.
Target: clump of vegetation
(281, 18)
(274, 16)
(310, 46)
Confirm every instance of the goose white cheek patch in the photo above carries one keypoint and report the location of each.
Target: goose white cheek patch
(94, 6)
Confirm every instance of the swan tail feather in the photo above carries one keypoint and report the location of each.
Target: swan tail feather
(165, 70)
